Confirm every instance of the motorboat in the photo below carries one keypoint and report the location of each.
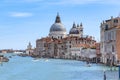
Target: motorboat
(46, 60)
(88, 65)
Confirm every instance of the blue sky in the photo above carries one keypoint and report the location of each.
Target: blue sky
(22, 21)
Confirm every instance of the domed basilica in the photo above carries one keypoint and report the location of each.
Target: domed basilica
(59, 44)
(58, 30)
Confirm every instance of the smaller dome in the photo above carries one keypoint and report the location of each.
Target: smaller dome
(74, 29)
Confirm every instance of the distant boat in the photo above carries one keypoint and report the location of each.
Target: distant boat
(36, 59)
(46, 60)
(10, 56)
(3, 59)
(88, 65)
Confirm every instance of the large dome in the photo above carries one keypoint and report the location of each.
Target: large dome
(57, 27)
(57, 30)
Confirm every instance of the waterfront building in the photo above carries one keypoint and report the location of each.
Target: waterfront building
(29, 49)
(59, 44)
(110, 40)
(6, 51)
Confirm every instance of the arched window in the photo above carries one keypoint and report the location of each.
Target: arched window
(106, 27)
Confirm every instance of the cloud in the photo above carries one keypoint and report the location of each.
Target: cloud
(20, 14)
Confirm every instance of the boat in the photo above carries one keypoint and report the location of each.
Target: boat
(3, 59)
(36, 59)
(10, 56)
(88, 65)
(46, 60)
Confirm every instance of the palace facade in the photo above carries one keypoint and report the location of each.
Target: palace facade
(110, 41)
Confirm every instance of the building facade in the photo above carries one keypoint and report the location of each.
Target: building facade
(59, 44)
(110, 40)
(29, 49)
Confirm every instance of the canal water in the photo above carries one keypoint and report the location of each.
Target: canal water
(26, 68)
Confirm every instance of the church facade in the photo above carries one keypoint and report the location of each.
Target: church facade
(59, 44)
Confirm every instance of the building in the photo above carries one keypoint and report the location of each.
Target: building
(110, 40)
(59, 44)
(29, 49)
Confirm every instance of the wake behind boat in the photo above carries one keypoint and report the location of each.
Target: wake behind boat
(36, 59)
(46, 60)
(88, 65)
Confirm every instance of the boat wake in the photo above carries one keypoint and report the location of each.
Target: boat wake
(88, 65)
(36, 60)
(46, 60)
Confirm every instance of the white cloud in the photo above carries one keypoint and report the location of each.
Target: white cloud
(20, 14)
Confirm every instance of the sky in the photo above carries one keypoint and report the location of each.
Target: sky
(24, 21)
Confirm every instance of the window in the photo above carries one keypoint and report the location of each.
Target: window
(70, 46)
(106, 27)
(113, 49)
(115, 21)
(105, 49)
(109, 36)
(112, 35)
